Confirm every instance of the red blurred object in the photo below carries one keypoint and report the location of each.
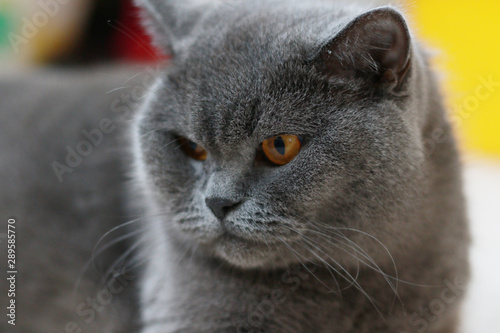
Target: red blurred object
(131, 42)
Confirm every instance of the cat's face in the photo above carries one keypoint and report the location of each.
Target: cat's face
(350, 150)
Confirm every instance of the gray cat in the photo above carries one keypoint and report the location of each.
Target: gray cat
(299, 173)
(293, 171)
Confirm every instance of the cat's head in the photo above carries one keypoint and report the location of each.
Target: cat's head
(281, 132)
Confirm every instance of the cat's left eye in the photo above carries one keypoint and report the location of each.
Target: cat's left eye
(193, 149)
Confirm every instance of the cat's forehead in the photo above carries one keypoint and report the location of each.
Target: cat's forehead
(250, 80)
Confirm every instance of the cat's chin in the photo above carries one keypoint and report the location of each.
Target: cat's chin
(245, 253)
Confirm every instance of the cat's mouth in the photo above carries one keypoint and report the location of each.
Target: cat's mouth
(229, 236)
(244, 243)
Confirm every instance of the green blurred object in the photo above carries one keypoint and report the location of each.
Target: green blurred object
(6, 26)
(34, 32)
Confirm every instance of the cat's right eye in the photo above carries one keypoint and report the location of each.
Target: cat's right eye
(193, 149)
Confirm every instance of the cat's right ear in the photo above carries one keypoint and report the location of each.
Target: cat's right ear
(169, 22)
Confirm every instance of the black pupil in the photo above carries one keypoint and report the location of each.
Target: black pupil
(279, 145)
(192, 145)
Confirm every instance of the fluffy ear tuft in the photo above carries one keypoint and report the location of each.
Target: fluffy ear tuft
(170, 21)
(375, 46)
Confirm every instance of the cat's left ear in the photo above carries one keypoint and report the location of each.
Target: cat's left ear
(170, 22)
(374, 46)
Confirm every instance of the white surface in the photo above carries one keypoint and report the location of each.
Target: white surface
(481, 311)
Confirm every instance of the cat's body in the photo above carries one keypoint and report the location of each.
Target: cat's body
(61, 214)
(363, 231)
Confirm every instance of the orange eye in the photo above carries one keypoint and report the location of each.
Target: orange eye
(193, 150)
(281, 149)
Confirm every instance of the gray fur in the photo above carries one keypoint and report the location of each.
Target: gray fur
(371, 208)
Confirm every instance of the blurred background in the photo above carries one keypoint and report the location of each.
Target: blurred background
(71, 32)
(463, 35)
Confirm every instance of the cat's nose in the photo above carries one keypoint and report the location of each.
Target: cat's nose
(220, 206)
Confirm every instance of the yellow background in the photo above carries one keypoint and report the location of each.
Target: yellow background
(466, 35)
